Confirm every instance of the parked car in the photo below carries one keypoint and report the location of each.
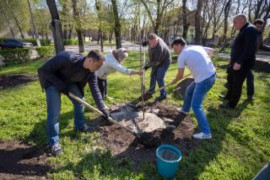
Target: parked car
(13, 43)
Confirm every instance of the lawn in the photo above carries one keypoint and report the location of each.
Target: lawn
(238, 150)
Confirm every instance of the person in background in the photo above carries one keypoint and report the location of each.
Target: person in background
(259, 23)
(242, 59)
(198, 61)
(113, 62)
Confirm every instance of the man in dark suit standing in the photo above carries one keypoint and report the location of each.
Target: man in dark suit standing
(242, 59)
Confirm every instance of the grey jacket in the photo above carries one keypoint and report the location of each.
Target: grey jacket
(160, 55)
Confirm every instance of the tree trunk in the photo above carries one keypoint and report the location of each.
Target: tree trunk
(98, 4)
(117, 25)
(198, 32)
(70, 32)
(56, 27)
(226, 14)
(78, 27)
(65, 26)
(185, 24)
(8, 22)
(33, 23)
(15, 18)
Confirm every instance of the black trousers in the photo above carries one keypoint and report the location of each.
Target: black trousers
(250, 83)
(103, 87)
(235, 84)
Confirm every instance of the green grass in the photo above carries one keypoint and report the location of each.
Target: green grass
(239, 149)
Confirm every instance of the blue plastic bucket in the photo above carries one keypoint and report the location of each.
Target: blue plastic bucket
(168, 158)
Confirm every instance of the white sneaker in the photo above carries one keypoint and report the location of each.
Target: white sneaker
(202, 135)
(181, 111)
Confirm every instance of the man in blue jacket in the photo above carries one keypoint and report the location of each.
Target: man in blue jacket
(242, 59)
(64, 73)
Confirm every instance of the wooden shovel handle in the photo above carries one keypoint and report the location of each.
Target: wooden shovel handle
(171, 83)
(96, 110)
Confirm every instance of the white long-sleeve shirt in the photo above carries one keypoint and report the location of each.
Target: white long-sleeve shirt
(111, 65)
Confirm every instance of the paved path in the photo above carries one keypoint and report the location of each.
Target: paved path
(259, 56)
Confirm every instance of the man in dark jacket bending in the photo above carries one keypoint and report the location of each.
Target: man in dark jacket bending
(242, 59)
(68, 72)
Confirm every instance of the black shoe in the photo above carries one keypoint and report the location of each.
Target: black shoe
(224, 97)
(225, 106)
(160, 98)
(86, 128)
(251, 98)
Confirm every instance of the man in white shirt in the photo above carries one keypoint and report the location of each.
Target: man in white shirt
(197, 59)
(113, 63)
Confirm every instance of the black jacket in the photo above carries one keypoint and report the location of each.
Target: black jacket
(244, 47)
(67, 68)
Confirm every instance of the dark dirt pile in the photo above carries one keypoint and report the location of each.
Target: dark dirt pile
(181, 87)
(123, 144)
(20, 161)
(9, 81)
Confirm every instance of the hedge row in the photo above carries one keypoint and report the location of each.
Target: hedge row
(45, 42)
(70, 41)
(45, 51)
(16, 56)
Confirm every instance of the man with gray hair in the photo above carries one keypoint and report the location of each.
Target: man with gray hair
(242, 59)
(113, 63)
(160, 60)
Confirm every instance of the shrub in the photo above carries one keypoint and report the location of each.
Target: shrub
(70, 41)
(43, 42)
(2, 40)
(45, 51)
(16, 56)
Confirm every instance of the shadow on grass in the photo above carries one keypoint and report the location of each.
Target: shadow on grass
(219, 120)
(38, 135)
(136, 159)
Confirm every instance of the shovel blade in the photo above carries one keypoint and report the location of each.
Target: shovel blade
(145, 96)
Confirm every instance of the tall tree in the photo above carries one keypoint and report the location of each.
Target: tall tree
(78, 26)
(160, 6)
(198, 32)
(33, 23)
(56, 27)
(100, 31)
(185, 23)
(117, 25)
(15, 18)
(226, 15)
(7, 20)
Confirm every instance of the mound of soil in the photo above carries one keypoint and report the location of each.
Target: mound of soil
(141, 147)
(20, 161)
(181, 87)
(8, 81)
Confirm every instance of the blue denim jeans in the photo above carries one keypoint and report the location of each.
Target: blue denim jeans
(157, 75)
(53, 99)
(194, 96)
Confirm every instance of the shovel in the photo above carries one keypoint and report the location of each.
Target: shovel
(144, 138)
(98, 111)
(146, 96)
